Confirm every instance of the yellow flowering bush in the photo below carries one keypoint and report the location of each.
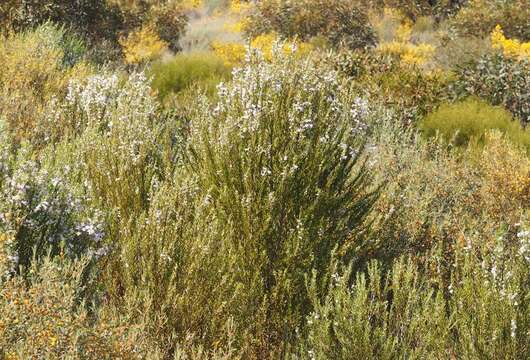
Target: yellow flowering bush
(401, 45)
(143, 45)
(408, 53)
(231, 53)
(510, 47)
(237, 27)
(234, 53)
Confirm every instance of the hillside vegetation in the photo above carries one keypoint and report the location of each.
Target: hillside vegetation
(270, 179)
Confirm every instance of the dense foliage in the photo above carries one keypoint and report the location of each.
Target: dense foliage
(187, 179)
(338, 21)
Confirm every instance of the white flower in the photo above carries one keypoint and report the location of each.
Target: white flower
(265, 171)
(513, 327)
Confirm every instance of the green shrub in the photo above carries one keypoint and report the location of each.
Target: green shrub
(202, 70)
(500, 81)
(414, 9)
(479, 18)
(469, 120)
(413, 312)
(341, 22)
(277, 160)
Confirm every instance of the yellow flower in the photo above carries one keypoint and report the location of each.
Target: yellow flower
(231, 53)
(510, 47)
(52, 340)
(407, 52)
(404, 31)
(192, 4)
(237, 27)
(143, 45)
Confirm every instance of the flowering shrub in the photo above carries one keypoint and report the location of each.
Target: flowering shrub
(118, 138)
(38, 214)
(142, 45)
(408, 53)
(509, 47)
(296, 135)
(395, 32)
(102, 103)
(168, 19)
(240, 7)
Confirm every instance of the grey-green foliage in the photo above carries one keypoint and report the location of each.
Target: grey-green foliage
(499, 80)
(412, 312)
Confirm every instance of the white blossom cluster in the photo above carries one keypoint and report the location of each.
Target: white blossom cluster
(284, 100)
(102, 97)
(248, 100)
(39, 211)
(106, 104)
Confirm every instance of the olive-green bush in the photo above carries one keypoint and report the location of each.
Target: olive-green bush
(470, 120)
(202, 70)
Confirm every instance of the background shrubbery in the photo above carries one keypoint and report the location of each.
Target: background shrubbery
(500, 80)
(338, 21)
(478, 17)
